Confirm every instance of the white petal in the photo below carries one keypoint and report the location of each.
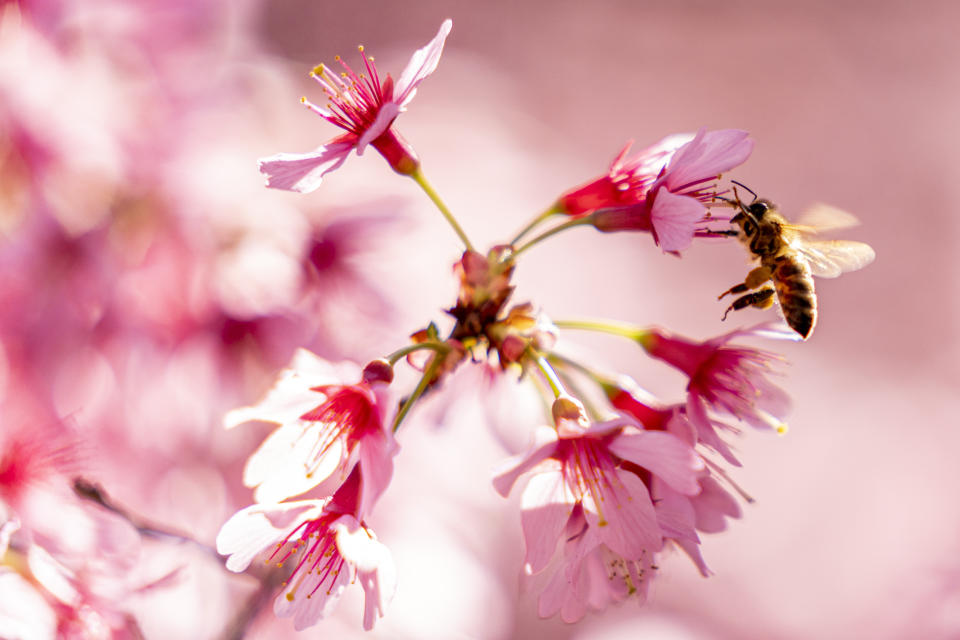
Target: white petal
(286, 464)
(251, 530)
(292, 396)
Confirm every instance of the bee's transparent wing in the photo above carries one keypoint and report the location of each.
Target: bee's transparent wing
(823, 217)
(830, 258)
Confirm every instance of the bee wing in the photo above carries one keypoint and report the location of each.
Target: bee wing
(823, 217)
(830, 258)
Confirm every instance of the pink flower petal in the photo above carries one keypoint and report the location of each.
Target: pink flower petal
(713, 506)
(708, 155)
(675, 513)
(546, 508)
(385, 117)
(512, 468)
(675, 219)
(706, 433)
(423, 62)
(303, 172)
(630, 526)
(376, 468)
(662, 454)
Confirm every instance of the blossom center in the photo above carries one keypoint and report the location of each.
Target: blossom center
(347, 415)
(588, 472)
(353, 100)
(313, 546)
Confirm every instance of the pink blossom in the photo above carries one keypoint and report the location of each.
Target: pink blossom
(589, 575)
(365, 106)
(327, 428)
(724, 379)
(328, 546)
(670, 204)
(587, 486)
(31, 459)
(626, 182)
(680, 516)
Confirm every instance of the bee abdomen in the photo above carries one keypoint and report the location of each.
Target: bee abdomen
(798, 300)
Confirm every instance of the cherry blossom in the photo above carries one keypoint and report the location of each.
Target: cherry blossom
(328, 546)
(665, 189)
(587, 487)
(725, 380)
(365, 106)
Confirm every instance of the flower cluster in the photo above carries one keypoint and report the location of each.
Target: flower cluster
(146, 302)
(612, 480)
(332, 443)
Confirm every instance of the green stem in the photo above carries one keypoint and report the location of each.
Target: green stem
(553, 210)
(421, 387)
(439, 347)
(421, 180)
(596, 377)
(615, 328)
(569, 224)
(550, 376)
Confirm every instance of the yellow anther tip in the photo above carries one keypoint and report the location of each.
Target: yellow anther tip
(782, 428)
(290, 597)
(318, 70)
(360, 48)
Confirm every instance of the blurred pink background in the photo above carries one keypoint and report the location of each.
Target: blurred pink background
(854, 529)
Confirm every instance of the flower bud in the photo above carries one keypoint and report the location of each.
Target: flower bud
(378, 371)
(566, 407)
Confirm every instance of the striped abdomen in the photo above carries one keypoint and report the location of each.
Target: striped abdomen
(794, 284)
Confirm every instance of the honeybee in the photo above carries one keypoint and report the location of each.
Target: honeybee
(790, 256)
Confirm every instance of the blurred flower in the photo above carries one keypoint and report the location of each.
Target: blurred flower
(326, 429)
(365, 106)
(663, 188)
(730, 380)
(33, 458)
(587, 487)
(335, 548)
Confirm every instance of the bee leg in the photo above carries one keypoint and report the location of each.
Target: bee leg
(740, 288)
(754, 279)
(762, 299)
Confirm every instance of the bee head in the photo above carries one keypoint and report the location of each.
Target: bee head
(751, 215)
(757, 209)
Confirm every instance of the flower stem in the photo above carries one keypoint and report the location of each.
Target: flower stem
(569, 224)
(553, 210)
(421, 387)
(421, 180)
(439, 347)
(615, 328)
(596, 377)
(549, 375)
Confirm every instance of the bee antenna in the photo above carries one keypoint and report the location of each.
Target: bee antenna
(740, 184)
(745, 210)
